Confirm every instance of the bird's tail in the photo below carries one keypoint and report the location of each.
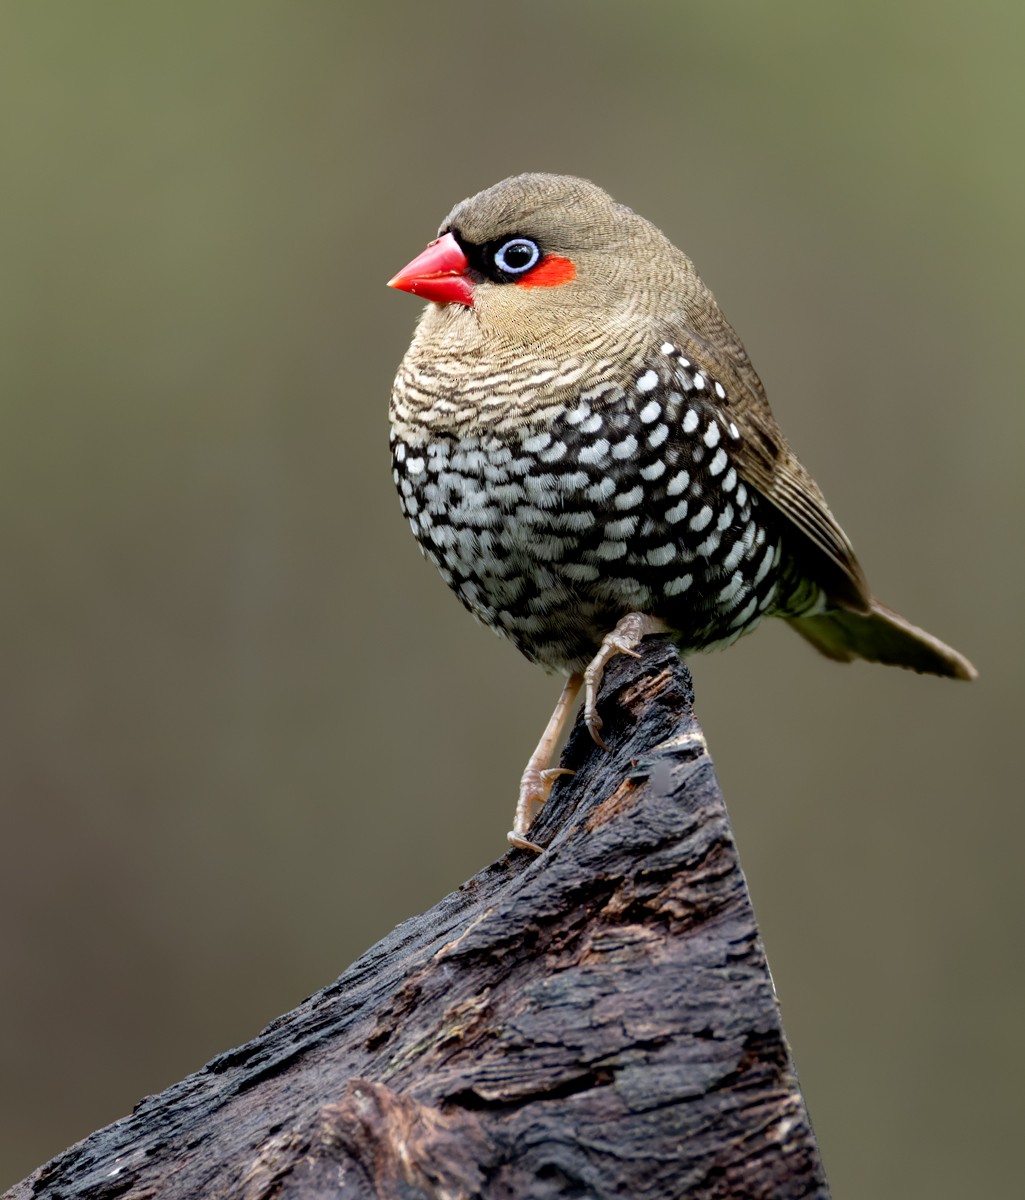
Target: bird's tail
(881, 635)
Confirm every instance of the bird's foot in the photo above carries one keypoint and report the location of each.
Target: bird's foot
(535, 788)
(538, 777)
(624, 639)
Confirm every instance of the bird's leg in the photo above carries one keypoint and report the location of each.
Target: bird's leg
(624, 639)
(538, 777)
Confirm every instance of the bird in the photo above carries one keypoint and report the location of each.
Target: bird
(584, 450)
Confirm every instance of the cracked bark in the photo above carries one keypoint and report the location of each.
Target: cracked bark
(598, 1021)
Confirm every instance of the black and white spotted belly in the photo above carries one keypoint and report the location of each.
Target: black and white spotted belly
(627, 501)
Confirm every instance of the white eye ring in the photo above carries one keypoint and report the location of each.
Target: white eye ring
(515, 243)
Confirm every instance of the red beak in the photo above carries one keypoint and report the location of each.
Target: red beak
(438, 274)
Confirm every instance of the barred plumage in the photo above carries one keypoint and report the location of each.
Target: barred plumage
(583, 449)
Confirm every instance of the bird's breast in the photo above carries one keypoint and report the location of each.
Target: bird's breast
(622, 497)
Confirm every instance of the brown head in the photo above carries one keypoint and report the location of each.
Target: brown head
(550, 265)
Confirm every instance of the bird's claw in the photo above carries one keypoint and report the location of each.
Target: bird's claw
(624, 639)
(535, 788)
(594, 723)
(522, 843)
(536, 781)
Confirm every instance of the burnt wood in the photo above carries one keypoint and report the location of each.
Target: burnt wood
(598, 1021)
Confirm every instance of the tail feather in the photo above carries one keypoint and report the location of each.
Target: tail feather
(881, 635)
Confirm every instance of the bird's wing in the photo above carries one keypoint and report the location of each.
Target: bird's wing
(767, 463)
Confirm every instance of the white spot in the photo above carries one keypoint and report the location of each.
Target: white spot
(581, 572)
(526, 514)
(701, 518)
(647, 382)
(400, 451)
(577, 522)
(711, 437)
(622, 528)
(677, 512)
(407, 487)
(601, 490)
(467, 460)
(764, 565)
(609, 550)
(668, 348)
(532, 624)
(658, 435)
(735, 555)
(651, 412)
(654, 470)
(741, 494)
(412, 506)
(718, 463)
(699, 380)
(638, 598)
(629, 499)
(549, 549)
(625, 448)
(395, 476)
(537, 443)
(594, 454)
(479, 517)
(778, 555)
(734, 431)
(578, 414)
(720, 391)
(745, 613)
(685, 363)
(731, 591)
(554, 453)
(540, 489)
(660, 555)
(767, 599)
(690, 420)
(725, 517)
(729, 480)
(675, 586)
(593, 423)
(415, 466)
(507, 494)
(709, 545)
(678, 483)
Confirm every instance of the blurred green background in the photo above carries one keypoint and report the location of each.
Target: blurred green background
(244, 728)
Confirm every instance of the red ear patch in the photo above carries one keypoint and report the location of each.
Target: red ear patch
(549, 272)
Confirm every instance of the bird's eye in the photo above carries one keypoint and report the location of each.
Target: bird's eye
(517, 255)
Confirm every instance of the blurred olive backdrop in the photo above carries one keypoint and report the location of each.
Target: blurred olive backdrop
(245, 729)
